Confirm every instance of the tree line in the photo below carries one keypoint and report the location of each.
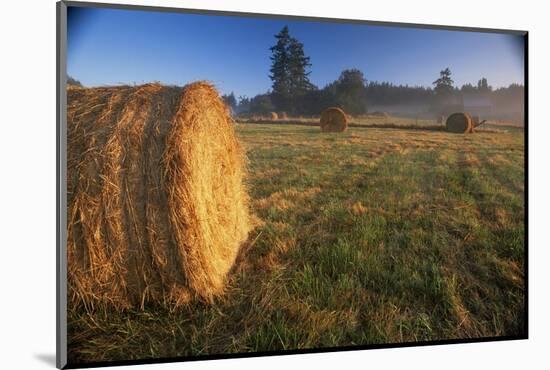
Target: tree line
(293, 92)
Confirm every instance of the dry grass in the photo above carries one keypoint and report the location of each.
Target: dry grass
(156, 202)
(358, 209)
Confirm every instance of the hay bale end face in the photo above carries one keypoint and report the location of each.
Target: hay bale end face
(461, 123)
(333, 120)
(157, 208)
(274, 116)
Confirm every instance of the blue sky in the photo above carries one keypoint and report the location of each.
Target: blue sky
(111, 46)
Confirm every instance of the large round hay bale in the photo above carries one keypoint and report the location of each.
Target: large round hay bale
(157, 208)
(274, 116)
(333, 120)
(459, 123)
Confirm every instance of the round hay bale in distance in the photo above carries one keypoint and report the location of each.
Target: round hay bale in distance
(274, 116)
(333, 119)
(283, 115)
(157, 208)
(460, 123)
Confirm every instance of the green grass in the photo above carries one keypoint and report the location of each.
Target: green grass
(370, 236)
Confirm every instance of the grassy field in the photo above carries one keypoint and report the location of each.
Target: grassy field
(365, 237)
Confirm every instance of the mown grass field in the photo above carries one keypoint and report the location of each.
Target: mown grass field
(365, 237)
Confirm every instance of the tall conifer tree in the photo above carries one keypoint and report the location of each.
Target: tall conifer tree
(289, 73)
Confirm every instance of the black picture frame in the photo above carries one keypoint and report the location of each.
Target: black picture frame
(61, 186)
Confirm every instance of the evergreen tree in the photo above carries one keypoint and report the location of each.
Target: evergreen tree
(468, 88)
(231, 101)
(289, 72)
(446, 101)
(297, 65)
(243, 105)
(73, 81)
(444, 84)
(280, 70)
(483, 85)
